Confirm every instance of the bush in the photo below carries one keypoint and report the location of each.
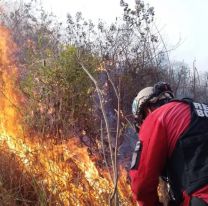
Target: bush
(60, 94)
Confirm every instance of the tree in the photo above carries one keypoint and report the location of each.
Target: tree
(35, 32)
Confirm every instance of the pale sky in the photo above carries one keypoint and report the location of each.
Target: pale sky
(177, 19)
(185, 19)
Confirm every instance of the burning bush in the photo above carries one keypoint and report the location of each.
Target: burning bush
(37, 172)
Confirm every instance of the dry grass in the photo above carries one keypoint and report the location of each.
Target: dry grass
(18, 188)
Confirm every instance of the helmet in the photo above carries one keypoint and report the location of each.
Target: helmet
(142, 97)
(157, 95)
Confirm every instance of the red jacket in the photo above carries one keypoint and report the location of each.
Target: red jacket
(159, 134)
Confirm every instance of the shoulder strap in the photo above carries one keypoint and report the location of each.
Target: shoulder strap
(185, 100)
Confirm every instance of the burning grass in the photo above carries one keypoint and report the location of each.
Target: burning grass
(51, 174)
(18, 187)
(36, 172)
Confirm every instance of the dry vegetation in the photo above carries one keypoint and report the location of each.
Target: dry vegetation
(47, 98)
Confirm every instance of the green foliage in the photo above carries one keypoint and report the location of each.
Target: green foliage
(60, 94)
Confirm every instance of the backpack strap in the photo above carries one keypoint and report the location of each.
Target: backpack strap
(185, 100)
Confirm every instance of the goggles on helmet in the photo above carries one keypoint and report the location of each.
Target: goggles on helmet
(160, 93)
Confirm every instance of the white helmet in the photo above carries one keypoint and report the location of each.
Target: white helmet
(151, 95)
(141, 97)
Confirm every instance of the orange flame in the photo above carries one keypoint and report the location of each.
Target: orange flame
(65, 169)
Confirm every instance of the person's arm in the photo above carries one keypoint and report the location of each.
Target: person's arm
(153, 155)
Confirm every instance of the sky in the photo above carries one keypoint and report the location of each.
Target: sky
(183, 21)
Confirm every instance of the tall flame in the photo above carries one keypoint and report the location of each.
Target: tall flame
(65, 169)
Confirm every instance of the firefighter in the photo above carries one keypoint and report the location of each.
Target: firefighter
(172, 142)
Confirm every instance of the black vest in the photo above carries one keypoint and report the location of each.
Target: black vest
(187, 169)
